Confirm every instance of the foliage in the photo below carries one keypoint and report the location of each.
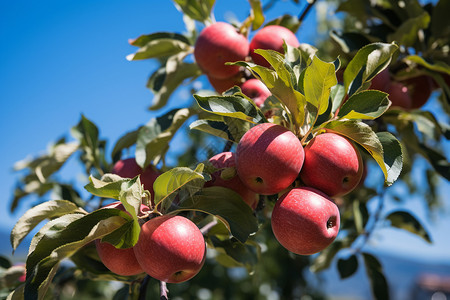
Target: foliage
(307, 97)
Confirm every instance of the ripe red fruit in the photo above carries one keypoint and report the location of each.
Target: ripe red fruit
(128, 168)
(227, 160)
(170, 248)
(271, 37)
(399, 95)
(255, 90)
(217, 44)
(269, 158)
(419, 89)
(332, 165)
(381, 81)
(305, 221)
(119, 261)
(221, 85)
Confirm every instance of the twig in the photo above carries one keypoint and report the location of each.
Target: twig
(204, 230)
(228, 146)
(163, 289)
(375, 219)
(305, 12)
(143, 288)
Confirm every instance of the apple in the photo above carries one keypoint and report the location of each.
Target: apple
(221, 85)
(128, 168)
(419, 89)
(269, 158)
(399, 95)
(305, 221)
(271, 38)
(217, 44)
(332, 164)
(170, 248)
(381, 81)
(119, 261)
(255, 90)
(227, 160)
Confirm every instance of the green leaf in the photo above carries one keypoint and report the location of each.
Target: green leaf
(319, 77)
(392, 156)
(60, 239)
(46, 165)
(406, 35)
(143, 40)
(366, 64)
(129, 192)
(280, 82)
(235, 106)
(168, 183)
(366, 105)
(197, 10)
(438, 66)
(439, 19)
(165, 80)
(4, 262)
(228, 207)
(86, 132)
(125, 141)
(289, 21)
(405, 220)
(349, 41)
(378, 283)
(256, 14)
(337, 95)
(32, 217)
(160, 44)
(154, 138)
(233, 253)
(348, 266)
(362, 134)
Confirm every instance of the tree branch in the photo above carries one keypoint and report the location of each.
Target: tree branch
(305, 12)
(204, 230)
(143, 288)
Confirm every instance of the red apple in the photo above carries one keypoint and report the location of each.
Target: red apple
(271, 38)
(305, 221)
(255, 90)
(419, 89)
(399, 95)
(269, 158)
(170, 248)
(227, 160)
(119, 261)
(332, 165)
(128, 168)
(381, 81)
(217, 44)
(221, 85)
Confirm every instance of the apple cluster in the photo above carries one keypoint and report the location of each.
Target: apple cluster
(270, 159)
(170, 248)
(220, 43)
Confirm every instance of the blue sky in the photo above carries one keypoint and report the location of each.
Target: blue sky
(61, 59)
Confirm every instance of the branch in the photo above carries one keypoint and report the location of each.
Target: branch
(204, 230)
(143, 288)
(305, 12)
(163, 289)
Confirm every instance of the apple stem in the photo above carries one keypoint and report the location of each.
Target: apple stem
(163, 289)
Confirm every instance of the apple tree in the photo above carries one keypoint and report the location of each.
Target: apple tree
(272, 177)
